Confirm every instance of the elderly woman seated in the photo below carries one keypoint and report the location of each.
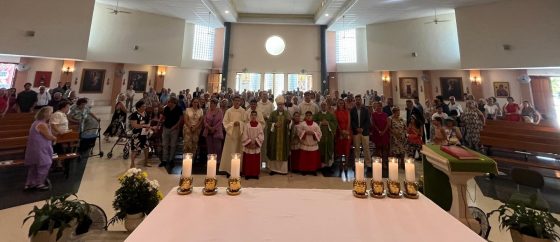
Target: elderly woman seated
(81, 114)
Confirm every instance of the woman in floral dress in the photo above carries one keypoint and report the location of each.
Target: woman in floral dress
(473, 120)
(398, 134)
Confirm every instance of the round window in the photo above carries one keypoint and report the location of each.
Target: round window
(275, 45)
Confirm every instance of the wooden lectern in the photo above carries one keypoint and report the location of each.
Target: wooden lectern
(458, 173)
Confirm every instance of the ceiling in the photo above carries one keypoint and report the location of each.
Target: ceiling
(308, 7)
(357, 13)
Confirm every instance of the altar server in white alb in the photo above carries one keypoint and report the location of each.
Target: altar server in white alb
(234, 123)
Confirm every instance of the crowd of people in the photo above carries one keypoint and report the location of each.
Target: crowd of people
(288, 135)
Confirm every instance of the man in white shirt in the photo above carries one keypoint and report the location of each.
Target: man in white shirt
(43, 98)
(455, 108)
(264, 106)
(308, 105)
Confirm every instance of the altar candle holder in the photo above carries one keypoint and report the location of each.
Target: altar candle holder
(393, 184)
(359, 188)
(186, 180)
(210, 182)
(185, 186)
(377, 184)
(234, 182)
(410, 185)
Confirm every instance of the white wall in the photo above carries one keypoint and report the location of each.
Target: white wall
(490, 76)
(359, 82)
(390, 45)
(113, 37)
(184, 78)
(187, 60)
(36, 64)
(105, 96)
(396, 88)
(61, 27)
(148, 68)
(248, 49)
(532, 28)
(436, 82)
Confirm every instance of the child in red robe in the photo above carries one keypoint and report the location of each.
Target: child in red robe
(252, 140)
(309, 156)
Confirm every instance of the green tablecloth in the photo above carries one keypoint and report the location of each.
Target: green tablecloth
(436, 182)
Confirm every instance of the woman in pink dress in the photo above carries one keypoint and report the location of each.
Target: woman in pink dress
(511, 110)
(380, 132)
(39, 158)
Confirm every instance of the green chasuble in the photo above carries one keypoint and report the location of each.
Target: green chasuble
(326, 144)
(278, 138)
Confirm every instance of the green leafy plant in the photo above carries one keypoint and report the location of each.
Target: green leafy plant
(518, 216)
(57, 212)
(137, 194)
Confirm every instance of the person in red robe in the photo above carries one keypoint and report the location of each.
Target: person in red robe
(252, 140)
(343, 139)
(309, 156)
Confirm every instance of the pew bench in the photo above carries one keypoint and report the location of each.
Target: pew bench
(521, 141)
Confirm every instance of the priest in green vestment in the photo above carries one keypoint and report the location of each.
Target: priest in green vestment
(327, 122)
(278, 139)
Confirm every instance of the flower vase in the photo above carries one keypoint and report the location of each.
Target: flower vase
(131, 221)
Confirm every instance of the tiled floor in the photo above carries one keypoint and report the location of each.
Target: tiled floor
(100, 181)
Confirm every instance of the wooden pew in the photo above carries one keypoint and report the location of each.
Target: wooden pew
(515, 137)
(13, 149)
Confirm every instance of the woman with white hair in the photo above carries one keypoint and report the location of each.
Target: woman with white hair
(39, 158)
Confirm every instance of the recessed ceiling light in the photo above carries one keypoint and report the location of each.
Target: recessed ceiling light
(227, 11)
(326, 14)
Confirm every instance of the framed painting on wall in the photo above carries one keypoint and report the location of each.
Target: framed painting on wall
(42, 78)
(138, 80)
(92, 81)
(408, 87)
(501, 89)
(452, 86)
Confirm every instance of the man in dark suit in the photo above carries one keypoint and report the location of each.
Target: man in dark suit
(412, 110)
(387, 109)
(360, 123)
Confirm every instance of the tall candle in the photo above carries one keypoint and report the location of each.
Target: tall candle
(187, 164)
(393, 169)
(235, 165)
(211, 167)
(360, 169)
(376, 169)
(409, 169)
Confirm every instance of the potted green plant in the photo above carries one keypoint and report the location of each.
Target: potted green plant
(526, 224)
(136, 197)
(56, 219)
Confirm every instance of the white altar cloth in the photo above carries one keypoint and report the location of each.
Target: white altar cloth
(271, 214)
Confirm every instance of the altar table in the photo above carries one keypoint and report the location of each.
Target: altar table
(274, 214)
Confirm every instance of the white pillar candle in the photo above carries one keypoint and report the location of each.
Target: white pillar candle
(211, 167)
(376, 169)
(393, 169)
(360, 169)
(410, 170)
(235, 165)
(187, 164)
